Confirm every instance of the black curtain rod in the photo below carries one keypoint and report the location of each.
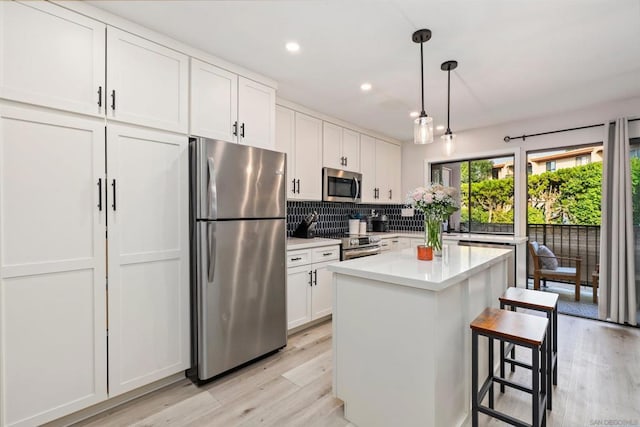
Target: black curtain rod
(523, 137)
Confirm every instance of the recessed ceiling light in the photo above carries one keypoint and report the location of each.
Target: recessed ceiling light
(440, 127)
(414, 114)
(365, 86)
(292, 47)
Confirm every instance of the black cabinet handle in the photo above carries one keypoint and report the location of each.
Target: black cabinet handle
(310, 278)
(235, 129)
(100, 194)
(327, 253)
(390, 194)
(113, 186)
(113, 99)
(298, 181)
(242, 130)
(99, 96)
(315, 277)
(346, 161)
(293, 181)
(296, 258)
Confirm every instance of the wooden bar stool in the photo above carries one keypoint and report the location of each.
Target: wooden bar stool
(521, 329)
(546, 302)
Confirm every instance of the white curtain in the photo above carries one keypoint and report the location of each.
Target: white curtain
(617, 272)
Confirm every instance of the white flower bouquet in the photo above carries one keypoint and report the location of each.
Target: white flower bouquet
(436, 202)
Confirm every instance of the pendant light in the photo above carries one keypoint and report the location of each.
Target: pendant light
(448, 137)
(423, 125)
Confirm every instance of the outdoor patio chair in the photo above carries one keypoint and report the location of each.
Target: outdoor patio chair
(546, 266)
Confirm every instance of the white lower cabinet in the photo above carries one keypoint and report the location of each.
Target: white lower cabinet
(309, 291)
(148, 256)
(67, 341)
(53, 325)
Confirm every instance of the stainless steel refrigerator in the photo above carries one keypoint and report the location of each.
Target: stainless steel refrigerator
(238, 205)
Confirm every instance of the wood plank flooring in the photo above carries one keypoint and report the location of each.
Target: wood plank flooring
(598, 382)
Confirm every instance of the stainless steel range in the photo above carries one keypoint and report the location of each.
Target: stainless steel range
(357, 245)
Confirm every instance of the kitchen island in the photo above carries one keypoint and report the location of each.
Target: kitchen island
(401, 338)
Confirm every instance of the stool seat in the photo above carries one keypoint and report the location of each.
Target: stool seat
(512, 326)
(527, 298)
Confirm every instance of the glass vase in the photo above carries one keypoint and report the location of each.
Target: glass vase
(433, 235)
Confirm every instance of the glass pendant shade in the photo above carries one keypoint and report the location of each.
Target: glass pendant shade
(423, 130)
(449, 140)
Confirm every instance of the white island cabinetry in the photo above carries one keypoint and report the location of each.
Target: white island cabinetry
(401, 337)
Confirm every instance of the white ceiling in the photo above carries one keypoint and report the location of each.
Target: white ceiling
(517, 59)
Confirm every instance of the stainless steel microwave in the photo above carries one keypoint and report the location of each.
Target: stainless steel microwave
(341, 186)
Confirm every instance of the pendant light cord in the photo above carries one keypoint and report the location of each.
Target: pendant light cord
(448, 98)
(422, 113)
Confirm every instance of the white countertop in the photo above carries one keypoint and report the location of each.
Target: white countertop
(294, 243)
(472, 237)
(403, 267)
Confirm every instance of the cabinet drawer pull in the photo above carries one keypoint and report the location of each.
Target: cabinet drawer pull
(327, 253)
(394, 241)
(296, 258)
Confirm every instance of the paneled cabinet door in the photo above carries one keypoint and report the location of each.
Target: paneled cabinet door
(285, 143)
(395, 178)
(147, 207)
(148, 83)
(214, 102)
(332, 156)
(351, 150)
(256, 114)
(52, 265)
(298, 295)
(368, 168)
(383, 170)
(308, 157)
(322, 291)
(52, 57)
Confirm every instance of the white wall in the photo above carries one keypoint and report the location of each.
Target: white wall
(478, 142)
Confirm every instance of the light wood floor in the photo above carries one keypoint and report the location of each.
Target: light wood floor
(599, 382)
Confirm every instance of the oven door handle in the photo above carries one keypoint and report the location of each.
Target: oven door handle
(361, 253)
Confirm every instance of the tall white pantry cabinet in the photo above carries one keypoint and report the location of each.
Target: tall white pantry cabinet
(86, 172)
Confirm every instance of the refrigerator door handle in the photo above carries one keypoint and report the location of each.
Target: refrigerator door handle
(211, 252)
(212, 196)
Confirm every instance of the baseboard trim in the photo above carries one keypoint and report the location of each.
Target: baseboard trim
(308, 325)
(112, 403)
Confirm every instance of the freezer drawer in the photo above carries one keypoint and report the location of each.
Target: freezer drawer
(240, 292)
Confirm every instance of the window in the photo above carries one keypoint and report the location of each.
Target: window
(583, 160)
(486, 188)
(551, 166)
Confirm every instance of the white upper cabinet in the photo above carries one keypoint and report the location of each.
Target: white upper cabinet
(230, 108)
(340, 148)
(285, 143)
(52, 57)
(369, 190)
(307, 160)
(214, 102)
(147, 83)
(256, 114)
(351, 150)
(380, 162)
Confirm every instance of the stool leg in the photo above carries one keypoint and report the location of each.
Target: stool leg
(549, 360)
(554, 338)
(474, 379)
(491, 372)
(535, 374)
(513, 349)
(502, 357)
(544, 372)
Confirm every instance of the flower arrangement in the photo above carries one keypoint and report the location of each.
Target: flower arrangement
(436, 202)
